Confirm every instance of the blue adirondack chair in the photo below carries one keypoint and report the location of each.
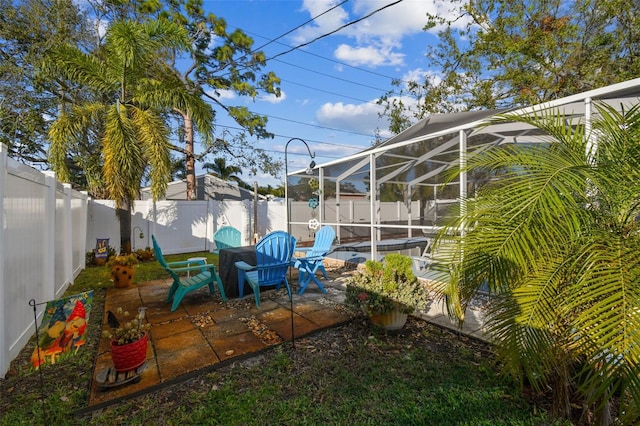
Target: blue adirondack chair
(183, 285)
(273, 259)
(314, 258)
(227, 237)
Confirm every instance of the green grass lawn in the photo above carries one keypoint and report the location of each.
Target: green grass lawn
(352, 374)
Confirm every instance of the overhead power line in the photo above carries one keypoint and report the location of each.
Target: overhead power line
(348, 24)
(314, 125)
(354, 147)
(306, 52)
(328, 92)
(299, 26)
(330, 76)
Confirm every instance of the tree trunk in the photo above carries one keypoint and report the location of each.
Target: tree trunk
(124, 216)
(190, 160)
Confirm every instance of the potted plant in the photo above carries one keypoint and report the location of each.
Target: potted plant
(145, 254)
(387, 291)
(122, 269)
(128, 340)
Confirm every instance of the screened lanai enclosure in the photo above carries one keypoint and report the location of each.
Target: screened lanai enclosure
(393, 196)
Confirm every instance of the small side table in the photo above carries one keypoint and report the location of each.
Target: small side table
(195, 260)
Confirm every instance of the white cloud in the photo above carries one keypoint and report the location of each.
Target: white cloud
(368, 55)
(419, 75)
(377, 38)
(222, 94)
(272, 99)
(361, 118)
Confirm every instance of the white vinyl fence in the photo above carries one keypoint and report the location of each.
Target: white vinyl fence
(183, 226)
(42, 247)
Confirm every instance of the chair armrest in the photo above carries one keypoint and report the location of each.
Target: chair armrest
(194, 268)
(274, 265)
(244, 266)
(185, 262)
(304, 249)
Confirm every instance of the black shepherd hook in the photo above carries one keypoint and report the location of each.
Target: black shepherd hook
(33, 304)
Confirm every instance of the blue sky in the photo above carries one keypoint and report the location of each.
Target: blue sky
(329, 87)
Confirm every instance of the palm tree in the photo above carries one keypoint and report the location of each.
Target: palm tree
(133, 88)
(555, 236)
(219, 168)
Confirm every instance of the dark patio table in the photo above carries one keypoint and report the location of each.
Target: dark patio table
(228, 271)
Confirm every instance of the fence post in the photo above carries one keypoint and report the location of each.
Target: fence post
(68, 240)
(4, 348)
(83, 227)
(49, 237)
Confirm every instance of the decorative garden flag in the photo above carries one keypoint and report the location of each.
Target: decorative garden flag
(63, 328)
(102, 248)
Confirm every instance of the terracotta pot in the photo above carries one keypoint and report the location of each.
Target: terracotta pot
(129, 356)
(393, 320)
(122, 275)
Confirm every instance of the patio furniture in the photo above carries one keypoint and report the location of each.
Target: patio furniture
(313, 261)
(435, 259)
(273, 259)
(183, 285)
(227, 267)
(196, 260)
(227, 237)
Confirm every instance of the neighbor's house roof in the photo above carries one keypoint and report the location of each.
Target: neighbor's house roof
(207, 186)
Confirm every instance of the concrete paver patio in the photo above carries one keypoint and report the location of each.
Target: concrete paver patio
(205, 333)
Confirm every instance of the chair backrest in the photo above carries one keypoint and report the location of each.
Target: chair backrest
(273, 257)
(227, 237)
(158, 253)
(322, 244)
(160, 258)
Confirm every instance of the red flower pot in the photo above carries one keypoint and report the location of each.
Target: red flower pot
(129, 356)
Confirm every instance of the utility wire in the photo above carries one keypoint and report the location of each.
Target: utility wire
(270, 41)
(315, 125)
(329, 75)
(298, 27)
(348, 24)
(341, 145)
(335, 61)
(328, 92)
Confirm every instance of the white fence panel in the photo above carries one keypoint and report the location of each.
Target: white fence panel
(25, 256)
(38, 238)
(181, 227)
(102, 223)
(79, 209)
(62, 276)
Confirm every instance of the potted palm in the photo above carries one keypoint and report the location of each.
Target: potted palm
(387, 291)
(122, 269)
(128, 340)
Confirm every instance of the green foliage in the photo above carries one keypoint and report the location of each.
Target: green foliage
(383, 286)
(33, 33)
(128, 70)
(28, 31)
(220, 168)
(229, 64)
(498, 53)
(556, 237)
